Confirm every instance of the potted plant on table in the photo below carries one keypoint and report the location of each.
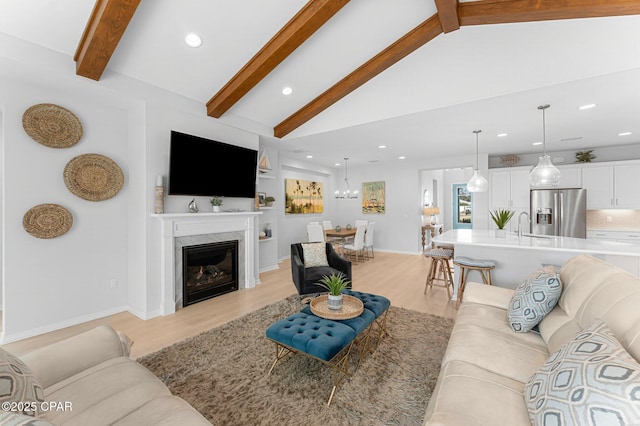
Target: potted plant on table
(335, 284)
(501, 217)
(216, 202)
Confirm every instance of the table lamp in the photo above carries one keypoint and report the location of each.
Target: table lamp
(432, 212)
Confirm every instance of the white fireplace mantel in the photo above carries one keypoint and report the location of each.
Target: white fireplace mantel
(187, 224)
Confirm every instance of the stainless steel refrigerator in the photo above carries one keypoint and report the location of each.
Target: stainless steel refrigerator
(561, 212)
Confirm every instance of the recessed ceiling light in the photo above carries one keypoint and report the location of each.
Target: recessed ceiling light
(536, 143)
(287, 91)
(193, 40)
(382, 146)
(309, 156)
(502, 135)
(587, 106)
(402, 157)
(624, 134)
(337, 164)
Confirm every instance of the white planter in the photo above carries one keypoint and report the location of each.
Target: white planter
(501, 233)
(216, 209)
(335, 302)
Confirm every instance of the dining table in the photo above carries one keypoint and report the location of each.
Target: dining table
(342, 233)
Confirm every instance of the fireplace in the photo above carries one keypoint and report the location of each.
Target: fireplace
(209, 270)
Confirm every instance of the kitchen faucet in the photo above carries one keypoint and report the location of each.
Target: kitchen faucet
(520, 224)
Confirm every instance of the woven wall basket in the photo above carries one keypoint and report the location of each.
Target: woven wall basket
(93, 177)
(52, 126)
(47, 221)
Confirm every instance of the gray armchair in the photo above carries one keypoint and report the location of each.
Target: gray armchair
(306, 279)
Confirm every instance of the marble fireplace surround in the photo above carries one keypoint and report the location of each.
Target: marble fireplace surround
(185, 229)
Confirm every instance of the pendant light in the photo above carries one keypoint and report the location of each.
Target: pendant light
(347, 194)
(477, 183)
(545, 174)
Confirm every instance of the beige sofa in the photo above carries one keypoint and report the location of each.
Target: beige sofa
(93, 372)
(487, 365)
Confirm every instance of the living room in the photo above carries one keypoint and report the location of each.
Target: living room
(109, 262)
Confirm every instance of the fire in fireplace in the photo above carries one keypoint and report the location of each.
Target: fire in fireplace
(209, 270)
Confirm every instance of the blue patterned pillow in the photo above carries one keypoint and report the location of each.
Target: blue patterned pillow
(534, 298)
(590, 380)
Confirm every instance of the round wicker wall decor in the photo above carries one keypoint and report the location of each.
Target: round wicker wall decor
(52, 125)
(93, 177)
(47, 221)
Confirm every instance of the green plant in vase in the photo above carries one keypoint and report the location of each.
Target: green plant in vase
(269, 201)
(501, 217)
(334, 283)
(216, 202)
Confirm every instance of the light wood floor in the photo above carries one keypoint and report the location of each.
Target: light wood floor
(399, 277)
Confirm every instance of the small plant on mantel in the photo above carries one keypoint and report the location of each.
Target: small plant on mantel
(269, 201)
(216, 200)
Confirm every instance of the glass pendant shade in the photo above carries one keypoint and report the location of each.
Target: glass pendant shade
(477, 183)
(545, 173)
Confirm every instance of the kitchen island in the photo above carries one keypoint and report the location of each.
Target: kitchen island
(516, 257)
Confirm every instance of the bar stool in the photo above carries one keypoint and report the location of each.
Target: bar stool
(467, 265)
(439, 258)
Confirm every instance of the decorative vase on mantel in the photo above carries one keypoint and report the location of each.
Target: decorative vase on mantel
(216, 209)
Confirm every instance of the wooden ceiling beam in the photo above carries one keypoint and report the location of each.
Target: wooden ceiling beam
(501, 11)
(448, 13)
(306, 22)
(108, 22)
(419, 36)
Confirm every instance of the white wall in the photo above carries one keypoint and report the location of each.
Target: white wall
(50, 281)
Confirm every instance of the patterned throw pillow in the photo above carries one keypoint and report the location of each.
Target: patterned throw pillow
(591, 380)
(18, 384)
(534, 298)
(315, 254)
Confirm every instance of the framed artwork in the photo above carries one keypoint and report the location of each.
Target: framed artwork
(303, 196)
(261, 199)
(373, 194)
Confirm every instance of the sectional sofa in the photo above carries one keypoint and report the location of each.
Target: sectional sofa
(88, 379)
(566, 368)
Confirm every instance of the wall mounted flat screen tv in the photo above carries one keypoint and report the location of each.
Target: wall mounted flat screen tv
(199, 166)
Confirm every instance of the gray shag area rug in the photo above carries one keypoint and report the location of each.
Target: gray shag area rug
(223, 374)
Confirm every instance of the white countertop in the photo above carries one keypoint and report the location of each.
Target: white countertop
(487, 238)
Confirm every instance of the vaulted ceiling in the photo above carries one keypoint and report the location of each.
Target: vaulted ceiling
(415, 75)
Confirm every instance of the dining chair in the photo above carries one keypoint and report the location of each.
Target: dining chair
(314, 223)
(355, 248)
(368, 239)
(315, 234)
(326, 224)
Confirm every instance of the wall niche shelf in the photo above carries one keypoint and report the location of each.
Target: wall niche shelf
(265, 176)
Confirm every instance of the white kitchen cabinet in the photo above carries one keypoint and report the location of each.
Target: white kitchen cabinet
(626, 194)
(510, 190)
(570, 177)
(614, 235)
(611, 186)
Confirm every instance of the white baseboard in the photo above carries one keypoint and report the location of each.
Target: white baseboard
(8, 338)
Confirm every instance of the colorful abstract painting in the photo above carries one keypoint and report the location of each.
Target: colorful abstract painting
(373, 197)
(303, 196)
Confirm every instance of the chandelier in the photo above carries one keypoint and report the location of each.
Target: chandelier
(347, 193)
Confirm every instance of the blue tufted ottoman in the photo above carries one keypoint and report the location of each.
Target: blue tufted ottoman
(330, 341)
